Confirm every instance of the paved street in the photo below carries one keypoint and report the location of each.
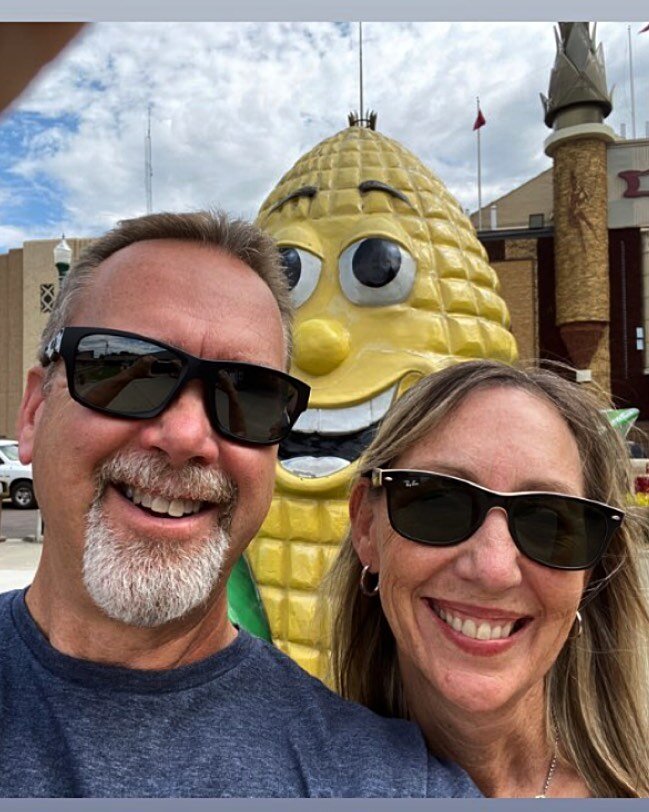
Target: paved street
(16, 524)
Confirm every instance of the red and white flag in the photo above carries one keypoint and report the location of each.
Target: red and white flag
(480, 120)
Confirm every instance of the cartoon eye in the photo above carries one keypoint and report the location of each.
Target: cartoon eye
(302, 271)
(376, 271)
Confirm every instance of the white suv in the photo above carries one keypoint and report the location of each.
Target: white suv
(17, 476)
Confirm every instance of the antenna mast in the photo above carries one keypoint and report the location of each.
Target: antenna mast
(362, 118)
(360, 65)
(148, 165)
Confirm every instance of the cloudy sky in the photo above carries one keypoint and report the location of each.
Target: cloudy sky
(234, 105)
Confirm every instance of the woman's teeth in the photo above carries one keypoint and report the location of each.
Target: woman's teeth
(159, 504)
(477, 629)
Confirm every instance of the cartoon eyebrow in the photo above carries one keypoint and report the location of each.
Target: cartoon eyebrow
(379, 186)
(303, 191)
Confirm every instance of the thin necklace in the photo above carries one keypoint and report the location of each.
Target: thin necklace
(553, 765)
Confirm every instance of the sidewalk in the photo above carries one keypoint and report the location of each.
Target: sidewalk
(18, 562)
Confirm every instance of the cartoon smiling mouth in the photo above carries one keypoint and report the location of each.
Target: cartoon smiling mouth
(324, 441)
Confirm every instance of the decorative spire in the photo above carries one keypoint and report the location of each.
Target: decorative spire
(577, 93)
(356, 119)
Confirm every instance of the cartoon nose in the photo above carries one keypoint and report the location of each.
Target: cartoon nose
(320, 346)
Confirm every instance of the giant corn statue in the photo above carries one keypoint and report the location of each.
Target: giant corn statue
(390, 283)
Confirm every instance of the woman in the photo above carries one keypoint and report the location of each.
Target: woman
(512, 629)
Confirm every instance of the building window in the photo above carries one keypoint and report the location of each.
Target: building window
(495, 250)
(48, 294)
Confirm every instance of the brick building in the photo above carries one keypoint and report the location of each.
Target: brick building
(521, 246)
(28, 285)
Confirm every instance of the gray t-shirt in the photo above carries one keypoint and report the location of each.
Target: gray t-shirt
(245, 722)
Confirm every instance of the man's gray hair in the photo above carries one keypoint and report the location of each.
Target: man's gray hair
(236, 237)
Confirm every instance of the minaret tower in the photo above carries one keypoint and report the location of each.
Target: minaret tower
(577, 104)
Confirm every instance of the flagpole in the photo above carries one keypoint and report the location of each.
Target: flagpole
(631, 83)
(479, 172)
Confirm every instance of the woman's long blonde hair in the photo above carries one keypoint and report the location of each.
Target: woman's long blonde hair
(597, 691)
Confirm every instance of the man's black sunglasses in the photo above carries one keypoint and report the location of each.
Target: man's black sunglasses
(553, 529)
(127, 375)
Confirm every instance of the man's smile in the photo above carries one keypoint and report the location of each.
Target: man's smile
(161, 516)
(158, 504)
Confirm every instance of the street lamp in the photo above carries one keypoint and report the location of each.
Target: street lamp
(62, 258)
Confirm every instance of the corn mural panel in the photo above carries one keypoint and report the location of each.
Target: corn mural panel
(390, 283)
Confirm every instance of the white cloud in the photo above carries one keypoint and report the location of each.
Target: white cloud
(235, 104)
(15, 236)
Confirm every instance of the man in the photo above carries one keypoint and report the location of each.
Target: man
(152, 423)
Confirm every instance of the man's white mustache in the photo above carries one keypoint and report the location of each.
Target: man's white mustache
(150, 471)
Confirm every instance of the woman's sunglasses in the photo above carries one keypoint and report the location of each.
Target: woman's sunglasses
(558, 531)
(127, 375)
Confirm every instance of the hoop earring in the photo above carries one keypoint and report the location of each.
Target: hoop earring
(580, 624)
(371, 593)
